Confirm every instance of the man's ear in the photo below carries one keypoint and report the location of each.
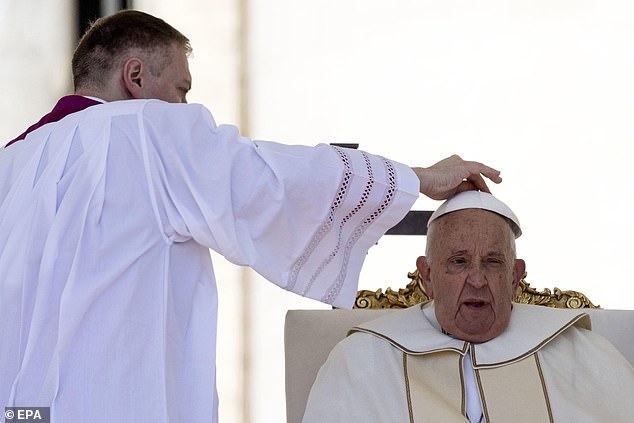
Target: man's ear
(133, 77)
(518, 273)
(425, 271)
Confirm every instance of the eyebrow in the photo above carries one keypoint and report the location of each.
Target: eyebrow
(454, 252)
(488, 254)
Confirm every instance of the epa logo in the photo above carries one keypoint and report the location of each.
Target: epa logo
(27, 415)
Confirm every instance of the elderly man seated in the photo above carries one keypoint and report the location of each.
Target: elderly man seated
(471, 355)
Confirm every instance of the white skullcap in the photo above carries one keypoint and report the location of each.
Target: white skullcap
(477, 200)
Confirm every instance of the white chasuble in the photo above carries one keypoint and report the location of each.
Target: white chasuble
(547, 366)
(107, 291)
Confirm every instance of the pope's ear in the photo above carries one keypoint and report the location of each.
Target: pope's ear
(133, 74)
(518, 273)
(425, 271)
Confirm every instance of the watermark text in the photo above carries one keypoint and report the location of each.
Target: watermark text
(27, 415)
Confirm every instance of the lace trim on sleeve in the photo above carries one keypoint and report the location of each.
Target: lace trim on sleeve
(328, 225)
(388, 197)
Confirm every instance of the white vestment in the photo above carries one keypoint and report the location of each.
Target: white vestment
(107, 291)
(547, 366)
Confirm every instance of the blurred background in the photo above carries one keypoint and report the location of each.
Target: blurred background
(541, 89)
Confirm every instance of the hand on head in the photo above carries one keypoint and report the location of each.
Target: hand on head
(453, 175)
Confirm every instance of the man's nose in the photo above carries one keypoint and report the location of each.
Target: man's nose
(476, 276)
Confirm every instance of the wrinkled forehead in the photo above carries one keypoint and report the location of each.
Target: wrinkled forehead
(469, 226)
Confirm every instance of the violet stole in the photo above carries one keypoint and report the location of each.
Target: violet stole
(64, 107)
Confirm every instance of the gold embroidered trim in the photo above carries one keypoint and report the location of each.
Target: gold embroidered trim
(407, 390)
(531, 351)
(463, 383)
(407, 350)
(546, 397)
(485, 410)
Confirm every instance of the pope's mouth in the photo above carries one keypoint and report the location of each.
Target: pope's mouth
(475, 304)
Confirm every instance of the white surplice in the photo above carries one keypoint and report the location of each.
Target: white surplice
(545, 367)
(107, 291)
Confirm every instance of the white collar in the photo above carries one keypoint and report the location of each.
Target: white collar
(415, 331)
(95, 98)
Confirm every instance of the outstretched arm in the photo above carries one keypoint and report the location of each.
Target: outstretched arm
(453, 175)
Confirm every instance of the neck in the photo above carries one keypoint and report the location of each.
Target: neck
(104, 94)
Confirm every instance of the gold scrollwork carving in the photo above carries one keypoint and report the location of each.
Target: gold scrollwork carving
(414, 293)
(557, 299)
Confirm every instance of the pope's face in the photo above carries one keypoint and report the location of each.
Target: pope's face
(473, 274)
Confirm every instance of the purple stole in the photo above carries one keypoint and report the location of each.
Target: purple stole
(64, 107)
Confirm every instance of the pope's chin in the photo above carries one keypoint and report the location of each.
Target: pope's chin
(476, 322)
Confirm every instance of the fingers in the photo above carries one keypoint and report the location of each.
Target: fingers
(453, 175)
(477, 182)
(465, 186)
(490, 173)
(476, 179)
(472, 169)
(477, 168)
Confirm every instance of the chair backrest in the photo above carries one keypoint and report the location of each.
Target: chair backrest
(311, 334)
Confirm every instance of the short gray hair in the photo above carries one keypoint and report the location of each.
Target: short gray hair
(109, 39)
